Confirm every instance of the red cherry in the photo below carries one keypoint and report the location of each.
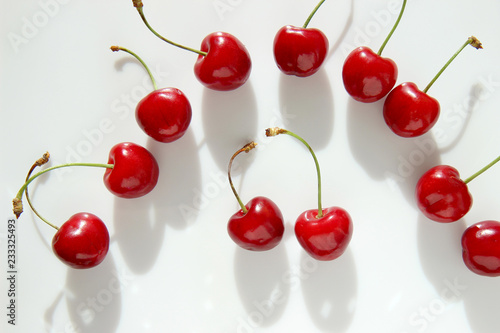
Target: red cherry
(227, 64)
(367, 76)
(223, 62)
(258, 225)
(327, 237)
(164, 114)
(300, 51)
(82, 241)
(481, 248)
(410, 112)
(442, 196)
(261, 228)
(323, 233)
(135, 171)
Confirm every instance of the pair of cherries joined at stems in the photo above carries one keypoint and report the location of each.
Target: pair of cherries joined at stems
(408, 111)
(444, 197)
(83, 240)
(258, 226)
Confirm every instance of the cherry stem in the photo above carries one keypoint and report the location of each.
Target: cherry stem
(393, 28)
(473, 41)
(312, 14)
(482, 170)
(119, 48)
(138, 5)
(41, 161)
(246, 148)
(17, 201)
(275, 131)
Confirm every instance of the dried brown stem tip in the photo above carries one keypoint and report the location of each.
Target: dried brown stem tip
(137, 3)
(249, 146)
(18, 207)
(475, 42)
(43, 160)
(115, 48)
(273, 131)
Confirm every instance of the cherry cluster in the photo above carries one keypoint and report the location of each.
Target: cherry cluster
(224, 64)
(324, 233)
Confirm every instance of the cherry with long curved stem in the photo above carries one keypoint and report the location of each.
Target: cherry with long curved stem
(164, 114)
(367, 76)
(223, 62)
(257, 226)
(410, 112)
(324, 233)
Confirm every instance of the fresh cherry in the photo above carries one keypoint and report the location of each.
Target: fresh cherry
(481, 248)
(258, 225)
(164, 114)
(442, 195)
(223, 62)
(82, 241)
(367, 76)
(410, 112)
(323, 233)
(300, 51)
(135, 171)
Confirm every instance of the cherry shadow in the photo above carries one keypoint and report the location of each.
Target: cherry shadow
(93, 297)
(261, 279)
(229, 121)
(384, 155)
(140, 223)
(330, 291)
(306, 105)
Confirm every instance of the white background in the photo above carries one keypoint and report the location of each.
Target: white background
(63, 91)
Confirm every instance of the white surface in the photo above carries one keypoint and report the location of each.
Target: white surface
(64, 91)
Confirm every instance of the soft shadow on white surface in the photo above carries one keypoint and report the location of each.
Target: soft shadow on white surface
(306, 105)
(229, 121)
(385, 156)
(263, 284)
(93, 297)
(330, 291)
(140, 227)
(343, 33)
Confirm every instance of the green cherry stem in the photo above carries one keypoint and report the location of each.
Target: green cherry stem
(119, 48)
(393, 28)
(312, 14)
(276, 131)
(466, 181)
(139, 6)
(17, 201)
(473, 41)
(246, 148)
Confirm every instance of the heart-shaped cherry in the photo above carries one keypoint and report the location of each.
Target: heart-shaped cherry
(135, 171)
(164, 114)
(410, 112)
(258, 225)
(323, 233)
(443, 196)
(481, 248)
(367, 76)
(223, 62)
(82, 241)
(300, 51)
